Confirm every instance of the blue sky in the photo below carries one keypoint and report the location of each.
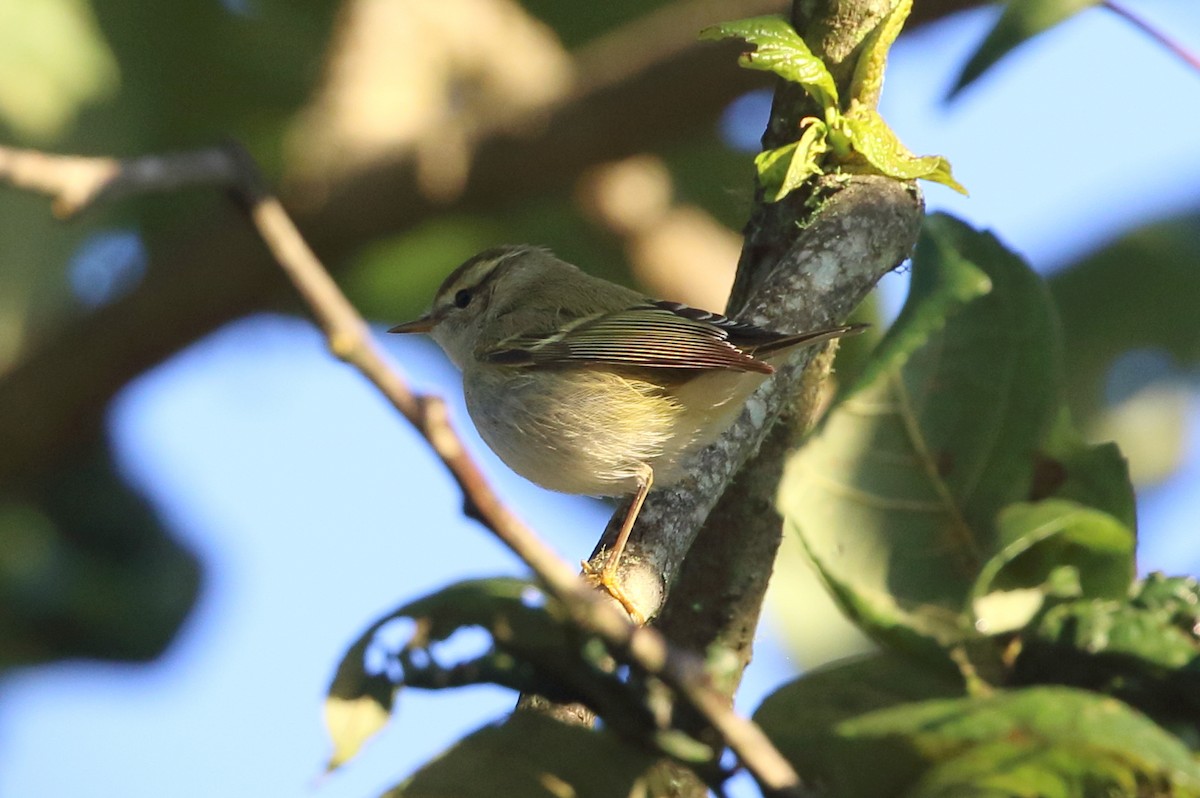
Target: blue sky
(314, 509)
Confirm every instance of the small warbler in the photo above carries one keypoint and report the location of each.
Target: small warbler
(587, 387)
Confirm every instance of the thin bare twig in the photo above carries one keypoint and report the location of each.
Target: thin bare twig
(1174, 47)
(76, 183)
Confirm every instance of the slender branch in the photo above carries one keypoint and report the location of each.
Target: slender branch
(1174, 47)
(74, 184)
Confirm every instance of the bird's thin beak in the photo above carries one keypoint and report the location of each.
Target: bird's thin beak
(421, 325)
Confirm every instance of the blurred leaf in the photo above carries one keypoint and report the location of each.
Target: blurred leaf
(1037, 541)
(802, 717)
(709, 173)
(86, 570)
(1021, 20)
(1021, 768)
(1096, 741)
(1093, 475)
(1136, 293)
(264, 68)
(531, 755)
(579, 23)
(931, 442)
(1152, 427)
(53, 60)
(799, 608)
(530, 648)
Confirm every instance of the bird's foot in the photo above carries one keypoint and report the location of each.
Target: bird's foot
(605, 577)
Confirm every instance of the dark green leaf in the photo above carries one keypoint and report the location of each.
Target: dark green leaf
(87, 569)
(1035, 542)
(1021, 768)
(801, 719)
(895, 496)
(530, 648)
(530, 756)
(1021, 20)
(1097, 740)
(1095, 476)
(1144, 649)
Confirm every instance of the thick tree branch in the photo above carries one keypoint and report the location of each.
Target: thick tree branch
(721, 604)
(73, 183)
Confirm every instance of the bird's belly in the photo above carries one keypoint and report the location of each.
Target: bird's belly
(574, 432)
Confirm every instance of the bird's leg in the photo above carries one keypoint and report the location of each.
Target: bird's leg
(607, 575)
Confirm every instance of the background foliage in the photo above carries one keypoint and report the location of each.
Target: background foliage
(89, 568)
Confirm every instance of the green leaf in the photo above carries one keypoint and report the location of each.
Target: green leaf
(878, 144)
(779, 49)
(1021, 20)
(1035, 541)
(1104, 316)
(868, 72)
(783, 169)
(1144, 649)
(532, 648)
(896, 495)
(87, 569)
(801, 719)
(1097, 740)
(53, 62)
(532, 755)
(860, 139)
(1021, 768)
(1093, 475)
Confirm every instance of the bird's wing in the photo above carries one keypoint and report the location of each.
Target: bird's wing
(652, 335)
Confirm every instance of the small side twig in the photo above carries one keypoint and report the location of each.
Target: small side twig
(1174, 47)
(76, 183)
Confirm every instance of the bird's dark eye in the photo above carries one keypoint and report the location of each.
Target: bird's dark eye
(462, 298)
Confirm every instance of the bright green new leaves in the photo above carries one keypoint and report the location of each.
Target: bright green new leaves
(1021, 20)
(942, 500)
(783, 169)
(851, 136)
(532, 755)
(779, 49)
(871, 138)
